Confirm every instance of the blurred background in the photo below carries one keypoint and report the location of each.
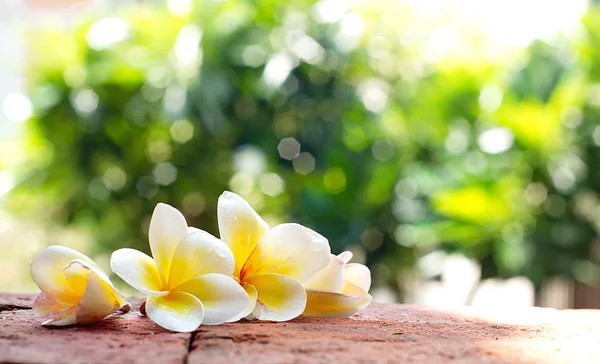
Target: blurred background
(452, 145)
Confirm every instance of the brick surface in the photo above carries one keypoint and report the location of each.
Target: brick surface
(380, 334)
(126, 338)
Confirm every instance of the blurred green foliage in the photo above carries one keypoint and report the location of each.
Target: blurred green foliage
(398, 156)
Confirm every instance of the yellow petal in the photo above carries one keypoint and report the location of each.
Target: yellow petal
(353, 290)
(359, 275)
(199, 253)
(167, 228)
(177, 311)
(240, 227)
(138, 270)
(331, 278)
(291, 250)
(329, 304)
(222, 297)
(252, 298)
(99, 297)
(47, 272)
(280, 298)
(77, 276)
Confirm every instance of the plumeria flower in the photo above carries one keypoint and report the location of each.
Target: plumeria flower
(270, 264)
(339, 290)
(74, 289)
(189, 280)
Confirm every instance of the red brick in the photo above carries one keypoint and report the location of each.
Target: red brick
(380, 334)
(126, 338)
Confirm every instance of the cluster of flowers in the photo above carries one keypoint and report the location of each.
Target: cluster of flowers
(252, 272)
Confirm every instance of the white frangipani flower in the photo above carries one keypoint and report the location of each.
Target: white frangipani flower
(189, 281)
(270, 264)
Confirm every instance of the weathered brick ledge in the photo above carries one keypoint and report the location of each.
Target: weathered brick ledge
(380, 334)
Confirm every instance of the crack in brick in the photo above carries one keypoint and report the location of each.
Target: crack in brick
(5, 307)
(241, 338)
(190, 347)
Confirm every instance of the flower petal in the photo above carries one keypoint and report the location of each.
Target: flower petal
(47, 272)
(359, 275)
(177, 311)
(199, 253)
(253, 296)
(331, 278)
(222, 297)
(99, 297)
(44, 304)
(77, 276)
(280, 298)
(64, 317)
(240, 227)
(329, 304)
(291, 250)
(353, 290)
(345, 256)
(167, 228)
(138, 270)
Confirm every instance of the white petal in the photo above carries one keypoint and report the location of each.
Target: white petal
(331, 278)
(167, 228)
(138, 270)
(280, 298)
(47, 272)
(359, 275)
(99, 299)
(222, 297)
(177, 311)
(345, 256)
(240, 227)
(199, 253)
(291, 250)
(252, 298)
